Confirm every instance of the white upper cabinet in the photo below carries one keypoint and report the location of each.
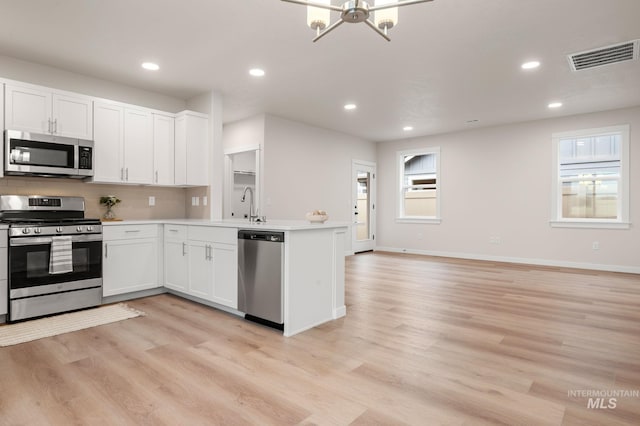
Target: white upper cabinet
(192, 149)
(163, 149)
(72, 116)
(123, 144)
(28, 109)
(109, 143)
(138, 146)
(132, 144)
(41, 110)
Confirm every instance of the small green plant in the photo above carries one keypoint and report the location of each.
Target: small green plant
(109, 200)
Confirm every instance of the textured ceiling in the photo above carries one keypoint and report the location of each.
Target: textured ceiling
(449, 61)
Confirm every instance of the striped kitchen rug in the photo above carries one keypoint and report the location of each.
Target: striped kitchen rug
(13, 334)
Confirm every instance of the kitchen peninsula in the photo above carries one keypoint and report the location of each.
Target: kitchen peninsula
(198, 259)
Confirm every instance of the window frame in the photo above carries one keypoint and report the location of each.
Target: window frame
(622, 221)
(400, 216)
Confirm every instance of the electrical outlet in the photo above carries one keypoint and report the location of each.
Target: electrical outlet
(152, 201)
(195, 201)
(204, 200)
(595, 245)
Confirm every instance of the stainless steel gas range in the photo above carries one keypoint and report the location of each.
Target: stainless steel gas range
(55, 255)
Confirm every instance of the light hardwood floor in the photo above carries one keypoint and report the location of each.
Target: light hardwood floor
(426, 341)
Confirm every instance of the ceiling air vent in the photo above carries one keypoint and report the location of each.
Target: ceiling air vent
(621, 52)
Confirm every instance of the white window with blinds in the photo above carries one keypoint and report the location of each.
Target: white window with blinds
(591, 178)
(419, 185)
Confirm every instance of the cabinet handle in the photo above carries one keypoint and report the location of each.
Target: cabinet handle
(55, 126)
(184, 249)
(127, 174)
(156, 176)
(106, 250)
(49, 126)
(132, 230)
(121, 173)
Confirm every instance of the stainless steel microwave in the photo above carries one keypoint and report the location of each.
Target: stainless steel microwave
(35, 154)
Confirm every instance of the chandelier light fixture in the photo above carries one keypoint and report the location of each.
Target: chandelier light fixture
(383, 12)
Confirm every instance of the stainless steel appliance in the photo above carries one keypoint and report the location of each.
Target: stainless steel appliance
(55, 255)
(260, 276)
(47, 155)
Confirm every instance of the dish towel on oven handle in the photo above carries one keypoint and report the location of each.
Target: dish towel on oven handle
(61, 258)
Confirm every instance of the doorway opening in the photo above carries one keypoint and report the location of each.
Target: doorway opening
(242, 171)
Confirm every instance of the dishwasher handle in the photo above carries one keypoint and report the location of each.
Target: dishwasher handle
(266, 236)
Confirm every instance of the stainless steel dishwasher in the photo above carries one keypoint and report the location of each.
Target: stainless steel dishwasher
(260, 276)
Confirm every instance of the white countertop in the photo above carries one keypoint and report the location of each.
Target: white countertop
(274, 225)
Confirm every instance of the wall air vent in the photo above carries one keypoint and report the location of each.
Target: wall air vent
(627, 51)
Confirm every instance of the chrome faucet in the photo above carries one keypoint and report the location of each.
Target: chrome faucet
(252, 216)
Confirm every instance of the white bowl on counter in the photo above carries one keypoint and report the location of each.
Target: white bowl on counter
(317, 218)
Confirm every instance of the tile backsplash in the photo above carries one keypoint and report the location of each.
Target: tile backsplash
(170, 203)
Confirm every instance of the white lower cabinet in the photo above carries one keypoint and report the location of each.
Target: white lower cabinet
(176, 261)
(202, 261)
(200, 270)
(225, 275)
(130, 259)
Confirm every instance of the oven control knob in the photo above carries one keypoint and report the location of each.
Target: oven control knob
(26, 230)
(89, 228)
(37, 230)
(59, 229)
(79, 229)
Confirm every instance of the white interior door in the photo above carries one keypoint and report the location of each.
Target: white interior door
(363, 182)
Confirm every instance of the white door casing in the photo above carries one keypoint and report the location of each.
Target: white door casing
(363, 205)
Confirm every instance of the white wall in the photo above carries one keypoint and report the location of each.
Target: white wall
(308, 168)
(29, 72)
(496, 182)
(244, 134)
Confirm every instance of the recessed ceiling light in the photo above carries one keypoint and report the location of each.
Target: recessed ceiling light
(350, 107)
(256, 72)
(150, 66)
(530, 65)
(555, 105)
(407, 128)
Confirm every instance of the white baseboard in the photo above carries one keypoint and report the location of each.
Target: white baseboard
(135, 295)
(206, 303)
(287, 332)
(522, 260)
(339, 312)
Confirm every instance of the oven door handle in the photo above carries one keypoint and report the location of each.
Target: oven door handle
(32, 241)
